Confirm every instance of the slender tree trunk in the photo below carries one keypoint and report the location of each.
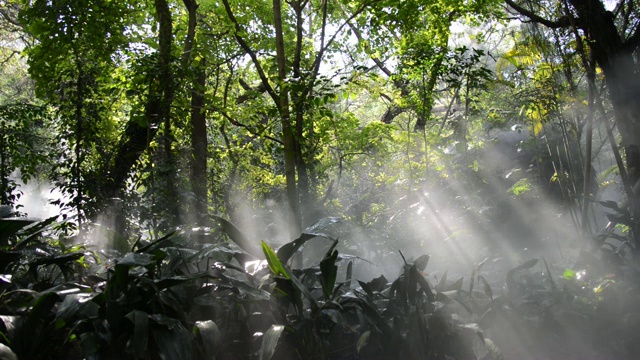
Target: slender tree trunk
(288, 138)
(165, 39)
(616, 58)
(621, 75)
(199, 146)
(4, 180)
(79, 118)
(307, 200)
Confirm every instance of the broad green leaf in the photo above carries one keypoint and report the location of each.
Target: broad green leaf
(237, 236)
(363, 340)
(487, 287)
(209, 336)
(457, 285)
(526, 265)
(140, 320)
(286, 251)
(10, 227)
(136, 259)
(252, 293)
(421, 262)
(32, 232)
(270, 342)
(423, 283)
(329, 272)
(6, 353)
(179, 280)
(443, 282)
(157, 244)
(174, 341)
(73, 304)
(554, 288)
(274, 263)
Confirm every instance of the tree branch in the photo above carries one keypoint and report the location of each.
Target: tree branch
(633, 42)
(324, 47)
(247, 127)
(5, 13)
(560, 23)
(250, 52)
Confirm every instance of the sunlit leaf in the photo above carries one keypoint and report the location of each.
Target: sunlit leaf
(209, 335)
(569, 274)
(270, 341)
(363, 340)
(135, 259)
(273, 261)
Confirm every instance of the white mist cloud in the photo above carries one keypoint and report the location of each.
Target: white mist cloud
(36, 199)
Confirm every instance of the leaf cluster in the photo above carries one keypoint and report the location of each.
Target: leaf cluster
(176, 298)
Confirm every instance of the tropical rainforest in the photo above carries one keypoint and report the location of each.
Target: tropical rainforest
(319, 179)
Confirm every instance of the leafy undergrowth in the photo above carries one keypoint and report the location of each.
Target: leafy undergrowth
(200, 296)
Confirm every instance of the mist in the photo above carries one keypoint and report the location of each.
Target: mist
(36, 197)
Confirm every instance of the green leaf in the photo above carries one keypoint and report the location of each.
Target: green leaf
(6, 353)
(270, 341)
(443, 282)
(421, 262)
(10, 227)
(275, 265)
(179, 280)
(173, 340)
(32, 232)
(363, 340)
(157, 244)
(329, 272)
(209, 337)
(569, 274)
(487, 287)
(457, 285)
(237, 236)
(527, 265)
(286, 251)
(140, 320)
(424, 284)
(554, 288)
(73, 304)
(136, 259)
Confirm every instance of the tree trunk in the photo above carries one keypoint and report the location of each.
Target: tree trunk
(79, 129)
(288, 138)
(4, 180)
(199, 146)
(620, 71)
(307, 198)
(165, 39)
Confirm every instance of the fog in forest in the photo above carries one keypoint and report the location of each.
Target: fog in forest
(320, 180)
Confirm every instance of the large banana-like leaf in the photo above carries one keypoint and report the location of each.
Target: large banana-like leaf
(270, 341)
(210, 337)
(238, 237)
(140, 320)
(10, 227)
